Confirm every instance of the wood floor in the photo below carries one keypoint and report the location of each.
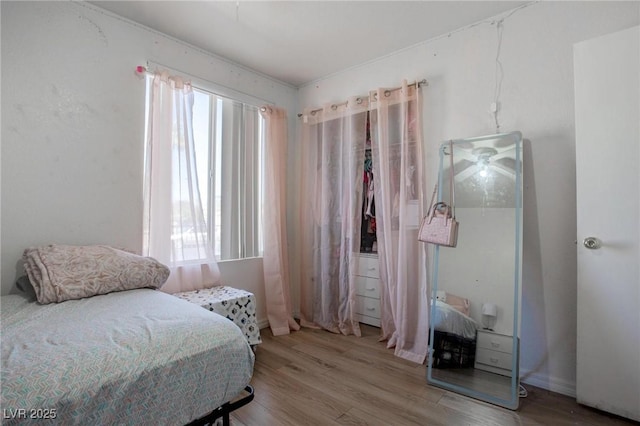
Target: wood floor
(313, 377)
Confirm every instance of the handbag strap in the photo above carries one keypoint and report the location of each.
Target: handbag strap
(452, 187)
(433, 197)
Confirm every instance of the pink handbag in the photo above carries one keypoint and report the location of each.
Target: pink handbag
(440, 226)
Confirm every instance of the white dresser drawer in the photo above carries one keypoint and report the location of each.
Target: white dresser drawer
(493, 361)
(368, 266)
(493, 358)
(368, 306)
(368, 320)
(367, 286)
(494, 342)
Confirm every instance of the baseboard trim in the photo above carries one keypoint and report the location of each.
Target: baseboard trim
(549, 383)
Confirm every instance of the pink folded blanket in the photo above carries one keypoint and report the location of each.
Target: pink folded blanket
(60, 272)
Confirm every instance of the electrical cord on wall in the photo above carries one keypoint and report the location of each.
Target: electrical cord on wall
(499, 76)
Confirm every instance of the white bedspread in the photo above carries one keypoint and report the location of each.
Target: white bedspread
(131, 357)
(450, 320)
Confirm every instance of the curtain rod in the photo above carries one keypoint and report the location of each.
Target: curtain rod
(215, 89)
(419, 84)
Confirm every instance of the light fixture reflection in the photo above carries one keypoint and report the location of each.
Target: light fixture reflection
(483, 164)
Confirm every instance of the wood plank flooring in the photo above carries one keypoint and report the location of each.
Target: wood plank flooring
(313, 377)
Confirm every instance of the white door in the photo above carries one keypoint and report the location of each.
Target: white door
(607, 96)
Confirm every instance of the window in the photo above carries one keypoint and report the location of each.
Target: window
(228, 136)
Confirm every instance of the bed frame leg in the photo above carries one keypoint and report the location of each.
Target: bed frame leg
(224, 410)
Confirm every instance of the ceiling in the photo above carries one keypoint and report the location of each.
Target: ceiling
(298, 42)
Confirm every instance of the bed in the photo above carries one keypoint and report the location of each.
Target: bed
(454, 343)
(137, 356)
(448, 319)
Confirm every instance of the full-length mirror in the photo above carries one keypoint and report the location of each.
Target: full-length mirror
(475, 303)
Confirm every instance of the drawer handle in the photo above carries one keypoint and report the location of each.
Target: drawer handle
(495, 345)
(371, 269)
(494, 360)
(371, 309)
(371, 288)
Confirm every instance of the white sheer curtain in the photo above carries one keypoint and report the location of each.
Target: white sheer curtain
(175, 228)
(333, 141)
(396, 131)
(275, 256)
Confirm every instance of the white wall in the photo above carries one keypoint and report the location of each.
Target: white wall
(537, 99)
(73, 122)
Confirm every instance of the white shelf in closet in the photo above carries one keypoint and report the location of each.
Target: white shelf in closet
(368, 289)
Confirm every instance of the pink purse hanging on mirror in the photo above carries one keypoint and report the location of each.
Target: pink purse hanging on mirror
(440, 226)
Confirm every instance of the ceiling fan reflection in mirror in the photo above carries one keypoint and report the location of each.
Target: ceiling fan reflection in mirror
(482, 162)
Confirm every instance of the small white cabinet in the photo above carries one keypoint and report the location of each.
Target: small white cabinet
(494, 352)
(367, 289)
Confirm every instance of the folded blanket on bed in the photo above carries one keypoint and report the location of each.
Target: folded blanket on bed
(59, 272)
